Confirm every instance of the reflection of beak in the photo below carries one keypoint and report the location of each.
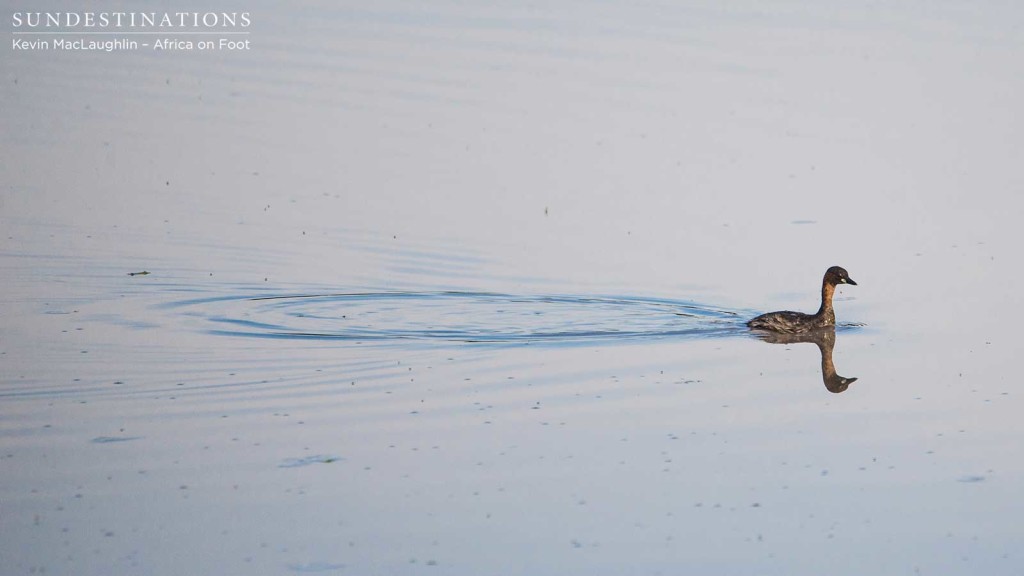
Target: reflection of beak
(849, 281)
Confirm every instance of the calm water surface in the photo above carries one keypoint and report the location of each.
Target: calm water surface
(458, 289)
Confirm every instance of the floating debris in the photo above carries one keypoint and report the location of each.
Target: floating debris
(143, 273)
(308, 461)
(113, 439)
(315, 567)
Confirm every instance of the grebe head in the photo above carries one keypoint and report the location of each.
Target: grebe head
(838, 275)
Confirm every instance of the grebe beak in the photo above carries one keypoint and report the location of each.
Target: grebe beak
(849, 281)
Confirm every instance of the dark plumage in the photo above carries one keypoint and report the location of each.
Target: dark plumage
(795, 322)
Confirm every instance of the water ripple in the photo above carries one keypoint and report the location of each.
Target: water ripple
(475, 317)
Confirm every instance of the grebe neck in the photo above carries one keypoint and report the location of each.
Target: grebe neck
(825, 311)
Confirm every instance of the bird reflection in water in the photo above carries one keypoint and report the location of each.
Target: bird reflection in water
(825, 338)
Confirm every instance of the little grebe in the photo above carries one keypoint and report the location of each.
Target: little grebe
(793, 322)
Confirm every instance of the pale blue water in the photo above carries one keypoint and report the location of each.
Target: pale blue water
(460, 289)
